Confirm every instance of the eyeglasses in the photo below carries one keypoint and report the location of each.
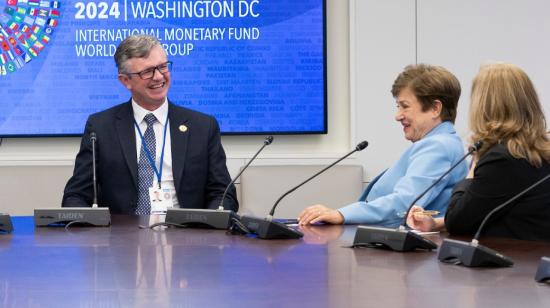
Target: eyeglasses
(150, 72)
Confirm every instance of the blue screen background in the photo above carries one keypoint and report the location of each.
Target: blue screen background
(270, 82)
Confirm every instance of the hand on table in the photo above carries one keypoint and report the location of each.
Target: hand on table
(320, 213)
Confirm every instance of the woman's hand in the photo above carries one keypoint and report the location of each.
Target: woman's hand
(419, 221)
(317, 213)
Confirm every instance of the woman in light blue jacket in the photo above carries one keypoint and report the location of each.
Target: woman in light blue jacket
(427, 98)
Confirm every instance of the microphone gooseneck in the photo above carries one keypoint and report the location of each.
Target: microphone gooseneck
(93, 139)
(266, 228)
(474, 148)
(361, 146)
(267, 141)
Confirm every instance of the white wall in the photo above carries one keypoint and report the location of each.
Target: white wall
(459, 35)
(462, 35)
(382, 43)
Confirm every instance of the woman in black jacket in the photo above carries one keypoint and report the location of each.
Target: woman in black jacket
(506, 114)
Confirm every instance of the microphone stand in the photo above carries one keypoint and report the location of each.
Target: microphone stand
(266, 228)
(93, 139)
(543, 271)
(67, 216)
(209, 218)
(5, 223)
(473, 254)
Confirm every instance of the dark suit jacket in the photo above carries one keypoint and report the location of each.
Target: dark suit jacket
(498, 177)
(198, 162)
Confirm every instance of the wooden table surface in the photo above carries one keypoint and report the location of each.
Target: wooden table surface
(124, 266)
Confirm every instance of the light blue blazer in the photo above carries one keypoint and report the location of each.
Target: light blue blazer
(390, 194)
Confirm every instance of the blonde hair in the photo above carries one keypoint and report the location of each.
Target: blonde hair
(505, 109)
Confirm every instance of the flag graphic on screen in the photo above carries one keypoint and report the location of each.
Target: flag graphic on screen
(36, 19)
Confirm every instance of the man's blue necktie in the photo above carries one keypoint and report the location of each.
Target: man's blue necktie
(145, 170)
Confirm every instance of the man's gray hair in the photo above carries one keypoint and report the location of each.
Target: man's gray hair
(134, 46)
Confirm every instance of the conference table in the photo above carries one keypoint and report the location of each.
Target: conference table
(125, 266)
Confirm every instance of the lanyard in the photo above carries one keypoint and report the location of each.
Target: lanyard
(148, 152)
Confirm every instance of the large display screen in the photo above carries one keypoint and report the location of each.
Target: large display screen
(258, 66)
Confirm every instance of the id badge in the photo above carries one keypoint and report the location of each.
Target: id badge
(161, 200)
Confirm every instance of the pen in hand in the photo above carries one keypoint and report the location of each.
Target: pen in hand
(427, 212)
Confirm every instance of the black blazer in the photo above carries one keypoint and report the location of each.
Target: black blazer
(198, 162)
(498, 176)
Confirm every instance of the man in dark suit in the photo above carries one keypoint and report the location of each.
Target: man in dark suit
(149, 147)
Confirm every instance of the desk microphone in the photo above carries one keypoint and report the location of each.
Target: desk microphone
(94, 216)
(217, 219)
(401, 239)
(266, 228)
(543, 271)
(474, 255)
(5, 223)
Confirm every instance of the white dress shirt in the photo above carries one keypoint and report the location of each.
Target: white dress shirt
(161, 113)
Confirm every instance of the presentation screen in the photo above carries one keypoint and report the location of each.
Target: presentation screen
(258, 66)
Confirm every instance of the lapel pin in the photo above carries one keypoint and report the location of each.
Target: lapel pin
(183, 128)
